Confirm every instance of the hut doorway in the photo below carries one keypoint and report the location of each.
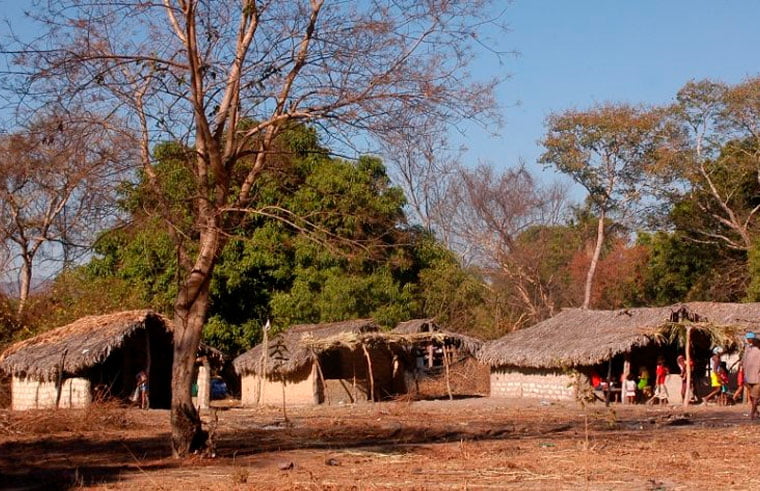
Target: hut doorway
(148, 349)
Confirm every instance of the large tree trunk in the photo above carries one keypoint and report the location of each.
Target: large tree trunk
(190, 312)
(594, 261)
(187, 434)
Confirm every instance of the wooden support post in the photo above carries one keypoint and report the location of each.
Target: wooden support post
(608, 392)
(148, 363)
(263, 365)
(446, 366)
(321, 377)
(371, 376)
(624, 378)
(59, 379)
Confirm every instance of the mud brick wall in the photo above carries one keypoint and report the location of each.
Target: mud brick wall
(298, 390)
(531, 383)
(28, 393)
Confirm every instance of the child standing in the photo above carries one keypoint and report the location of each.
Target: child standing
(661, 373)
(739, 394)
(723, 377)
(630, 389)
(643, 384)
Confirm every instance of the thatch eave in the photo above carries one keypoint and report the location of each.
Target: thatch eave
(577, 337)
(300, 346)
(71, 349)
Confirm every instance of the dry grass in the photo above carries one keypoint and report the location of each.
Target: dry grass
(465, 444)
(107, 417)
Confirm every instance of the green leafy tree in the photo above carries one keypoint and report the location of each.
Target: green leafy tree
(271, 269)
(606, 150)
(714, 181)
(682, 270)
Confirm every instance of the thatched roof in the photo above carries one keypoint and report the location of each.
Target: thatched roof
(577, 337)
(422, 330)
(416, 325)
(80, 345)
(466, 344)
(300, 345)
(304, 343)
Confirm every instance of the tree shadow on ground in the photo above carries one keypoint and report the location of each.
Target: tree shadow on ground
(66, 462)
(63, 463)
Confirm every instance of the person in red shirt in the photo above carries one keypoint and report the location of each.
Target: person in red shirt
(739, 394)
(660, 374)
(723, 377)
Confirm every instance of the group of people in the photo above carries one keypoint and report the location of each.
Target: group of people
(638, 388)
(747, 377)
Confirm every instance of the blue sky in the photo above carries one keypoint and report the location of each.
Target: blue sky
(575, 53)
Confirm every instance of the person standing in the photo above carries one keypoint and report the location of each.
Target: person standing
(751, 364)
(685, 391)
(645, 392)
(630, 389)
(142, 389)
(660, 375)
(740, 385)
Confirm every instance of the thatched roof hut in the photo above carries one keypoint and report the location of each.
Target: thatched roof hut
(76, 346)
(577, 337)
(301, 345)
(320, 361)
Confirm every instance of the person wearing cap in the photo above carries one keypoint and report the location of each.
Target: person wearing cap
(751, 363)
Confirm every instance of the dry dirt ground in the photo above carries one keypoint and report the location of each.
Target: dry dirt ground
(477, 443)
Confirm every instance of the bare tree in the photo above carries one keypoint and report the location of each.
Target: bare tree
(227, 77)
(424, 166)
(490, 214)
(57, 185)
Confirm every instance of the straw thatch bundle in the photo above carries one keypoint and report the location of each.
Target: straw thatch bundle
(301, 345)
(577, 337)
(76, 346)
(419, 331)
(466, 344)
(416, 325)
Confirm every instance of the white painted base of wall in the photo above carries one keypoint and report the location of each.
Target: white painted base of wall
(28, 393)
(532, 383)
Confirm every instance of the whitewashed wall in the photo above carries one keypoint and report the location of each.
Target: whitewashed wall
(541, 384)
(27, 393)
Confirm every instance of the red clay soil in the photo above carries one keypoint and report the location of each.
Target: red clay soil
(476, 443)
